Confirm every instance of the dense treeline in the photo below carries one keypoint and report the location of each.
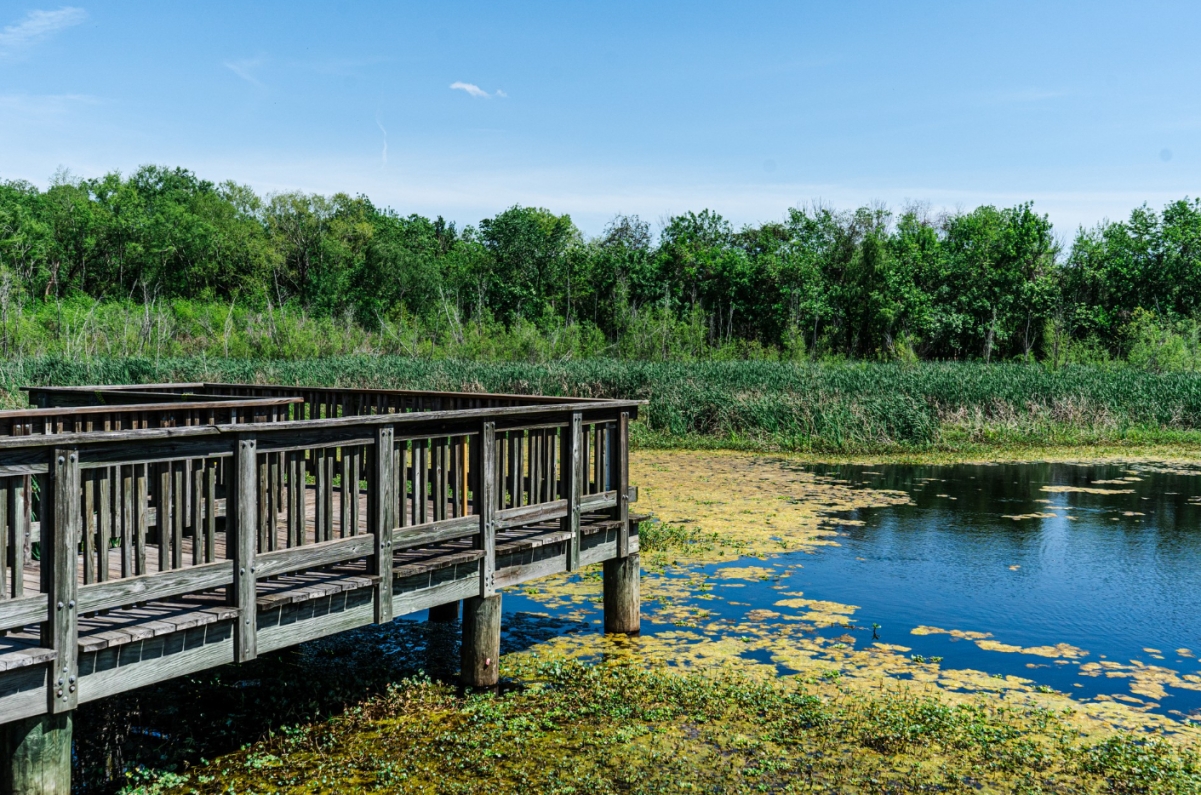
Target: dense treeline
(989, 284)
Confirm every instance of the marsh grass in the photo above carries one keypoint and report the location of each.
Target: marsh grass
(854, 408)
(654, 536)
(623, 729)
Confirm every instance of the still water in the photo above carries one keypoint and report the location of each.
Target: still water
(1105, 559)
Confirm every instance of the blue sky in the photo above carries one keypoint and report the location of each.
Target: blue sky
(463, 109)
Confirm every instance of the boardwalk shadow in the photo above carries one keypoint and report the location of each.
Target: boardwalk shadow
(172, 725)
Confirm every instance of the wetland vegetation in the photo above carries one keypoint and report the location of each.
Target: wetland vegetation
(778, 653)
(957, 408)
(848, 357)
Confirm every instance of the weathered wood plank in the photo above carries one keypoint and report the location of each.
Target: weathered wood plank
(571, 457)
(241, 535)
(325, 553)
(163, 658)
(21, 611)
(486, 508)
(381, 499)
(151, 587)
(60, 542)
(434, 532)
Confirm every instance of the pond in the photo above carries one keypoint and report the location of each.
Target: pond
(1079, 578)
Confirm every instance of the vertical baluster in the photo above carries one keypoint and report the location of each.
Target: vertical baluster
(210, 512)
(290, 501)
(535, 484)
(296, 488)
(398, 474)
(420, 474)
(179, 493)
(185, 487)
(571, 460)
(436, 493)
(302, 505)
(356, 465)
(25, 516)
(461, 487)
(519, 469)
(598, 477)
(552, 445)
(500, 487)
(127, 520)
(512, 442)
(452, 470)
(5, 540)
(319, 493)
(328, 492)
(163, 516)
(585, 458)
(404, 499)
(274, 498)
(104, 485)
(140, 515)
(349, 496)
(89, 527)
(263, 464)
(197, 512)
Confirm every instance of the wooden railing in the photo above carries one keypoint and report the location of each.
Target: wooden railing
(153, 413)
(132, 516)
(109, 492)
(317, 402)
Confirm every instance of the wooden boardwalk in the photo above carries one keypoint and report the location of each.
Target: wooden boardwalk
(140, 541)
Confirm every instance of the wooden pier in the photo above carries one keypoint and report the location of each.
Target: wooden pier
(153, 531)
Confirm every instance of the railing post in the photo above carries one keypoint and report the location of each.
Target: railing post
(59, 542)
(241, 537)
(486, 505)
(381, 492)
(619, 478)
(572, 466)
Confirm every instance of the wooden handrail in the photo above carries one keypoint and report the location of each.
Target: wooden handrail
(429, 477)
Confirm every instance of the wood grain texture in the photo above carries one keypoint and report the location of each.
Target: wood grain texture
(481, 641)
(243, 535)
(486, 507)
(60, 542)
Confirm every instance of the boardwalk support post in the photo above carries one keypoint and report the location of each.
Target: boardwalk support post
(481, 641)
(622, 596)
(36, 756)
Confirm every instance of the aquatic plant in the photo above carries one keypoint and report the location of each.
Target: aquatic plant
(623, 729)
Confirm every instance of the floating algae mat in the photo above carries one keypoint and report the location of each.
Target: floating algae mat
(1066, 585)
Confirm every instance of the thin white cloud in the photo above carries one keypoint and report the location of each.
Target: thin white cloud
(41, 106)
(38, 25)
(475, 91)
(245, 69)
(380, 124)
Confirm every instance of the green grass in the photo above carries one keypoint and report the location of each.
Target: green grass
(816, 408)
